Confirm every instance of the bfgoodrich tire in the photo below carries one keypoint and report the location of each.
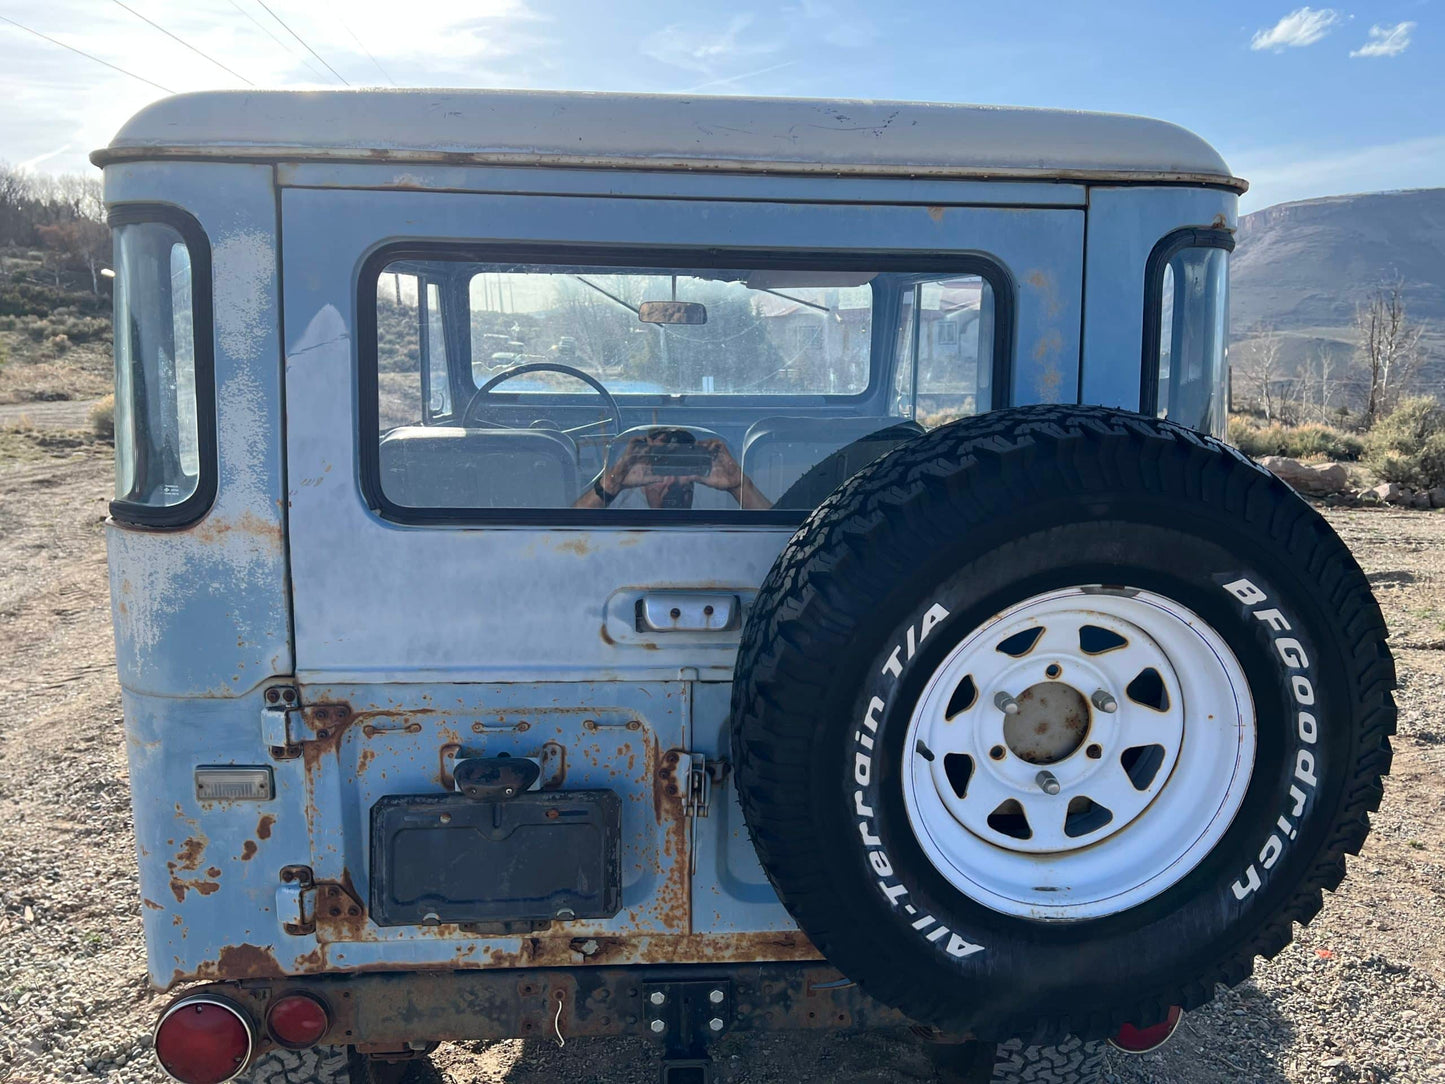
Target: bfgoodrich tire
(1055, 718)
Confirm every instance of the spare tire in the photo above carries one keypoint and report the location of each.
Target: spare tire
(1052, 719)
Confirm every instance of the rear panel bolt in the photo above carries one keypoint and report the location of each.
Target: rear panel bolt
(1047, 783)
(658, 1026)
(1104, 701)
(657, 997)
(716, 997)
(715, 1023)
(1006, 704)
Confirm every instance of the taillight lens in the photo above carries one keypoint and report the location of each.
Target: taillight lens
(1134, 1040)
(297, 1020)
(203, 1040)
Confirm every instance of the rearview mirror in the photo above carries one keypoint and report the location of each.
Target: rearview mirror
(672, 312)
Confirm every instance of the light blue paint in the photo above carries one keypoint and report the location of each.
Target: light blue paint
(205, 616)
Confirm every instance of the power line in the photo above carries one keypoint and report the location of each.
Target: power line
(182, 41)
(364, 49)
(87, 56)
(267, 31)
(302, 40)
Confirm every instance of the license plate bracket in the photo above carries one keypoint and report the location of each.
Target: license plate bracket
(542, 855)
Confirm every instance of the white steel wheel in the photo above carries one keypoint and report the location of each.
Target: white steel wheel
(1079, 753)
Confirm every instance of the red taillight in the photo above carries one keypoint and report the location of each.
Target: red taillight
(1134, 1040)
(203, 1040)
(297, 1020)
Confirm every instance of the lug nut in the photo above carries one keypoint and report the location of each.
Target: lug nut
(1006, 704)
(1104, 701)
(715, 1023)
(1047, 783)
(658, 1026)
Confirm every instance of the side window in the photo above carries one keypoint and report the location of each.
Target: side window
(946, 349)
(1186, 330)
(434, 353)
(164, 410)
(398, 349)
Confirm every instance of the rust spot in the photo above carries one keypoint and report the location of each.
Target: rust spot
(248, 850)
(153, 905)
(189, 856)
(446, 756)
(213, 872)
(607, 637)
(181, 885)
(936, 213)
(364, 759)
(580, 546)
(212, 529)
(263, 826)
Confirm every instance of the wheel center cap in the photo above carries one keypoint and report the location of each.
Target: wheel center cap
(1051, 723)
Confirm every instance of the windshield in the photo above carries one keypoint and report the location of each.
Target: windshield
(529, 385)
(765, 333)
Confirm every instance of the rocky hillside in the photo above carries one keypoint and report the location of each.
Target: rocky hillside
(1301, 266)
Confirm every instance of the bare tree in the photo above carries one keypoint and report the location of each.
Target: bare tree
(1388, 348)
(1261, 367)
(82, 241)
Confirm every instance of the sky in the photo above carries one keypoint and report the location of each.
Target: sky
(1301, 101)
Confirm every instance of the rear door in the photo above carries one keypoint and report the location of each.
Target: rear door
(465, 639)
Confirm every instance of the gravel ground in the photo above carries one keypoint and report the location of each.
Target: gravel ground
(1359, 996)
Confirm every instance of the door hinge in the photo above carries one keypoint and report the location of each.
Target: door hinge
(286, 725)
(691, 777)
(303, 903)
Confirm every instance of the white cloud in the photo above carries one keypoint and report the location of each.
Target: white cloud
(1386, 40)
(1303, 26)
(705, 49)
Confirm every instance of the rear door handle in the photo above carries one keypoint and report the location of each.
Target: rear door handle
(687, 611)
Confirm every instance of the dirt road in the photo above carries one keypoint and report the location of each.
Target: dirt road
(1360, 996)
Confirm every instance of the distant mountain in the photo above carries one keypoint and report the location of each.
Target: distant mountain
(1302, 266)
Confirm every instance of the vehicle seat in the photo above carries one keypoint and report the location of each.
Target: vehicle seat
(427, 466)
(778, 451)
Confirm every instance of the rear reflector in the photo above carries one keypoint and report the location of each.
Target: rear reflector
(1132, 1040)
(297, 1020)
(203, 1040)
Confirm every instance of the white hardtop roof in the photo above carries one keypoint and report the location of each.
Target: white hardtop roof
(655, 131)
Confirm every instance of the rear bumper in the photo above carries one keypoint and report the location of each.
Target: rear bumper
(391, 1011)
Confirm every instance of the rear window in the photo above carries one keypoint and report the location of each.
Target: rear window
(164, 446)
(1186, 331)
(555, 391)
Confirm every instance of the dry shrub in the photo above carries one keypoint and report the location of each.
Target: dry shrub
(102, 418)
(1408, 445)
(1295, 441)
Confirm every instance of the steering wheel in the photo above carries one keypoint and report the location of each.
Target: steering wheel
(548, 367)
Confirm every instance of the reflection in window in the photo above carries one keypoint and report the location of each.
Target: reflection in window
(638, 389)
(949, 375)
(435, 352)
